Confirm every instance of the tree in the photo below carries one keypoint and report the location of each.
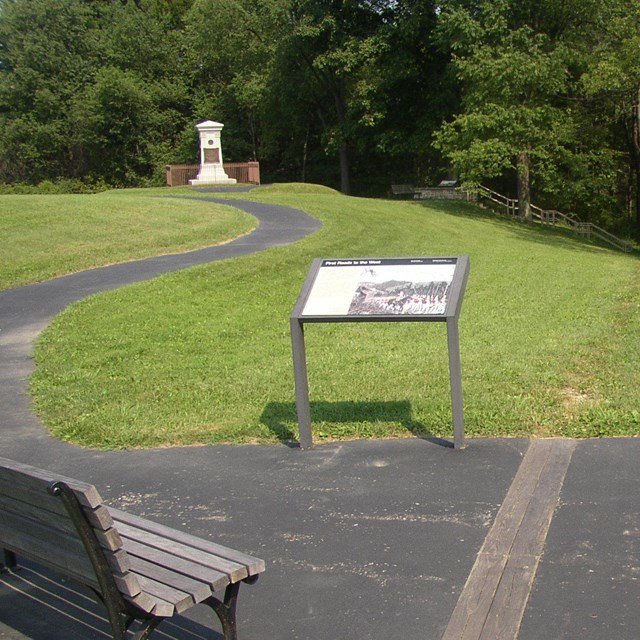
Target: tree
(415, 92)
(612, 88)
(47, 55)
(514, 70)
(146, 41)
(59, 61)
(113, 125)
(330, 48)
(231, 45)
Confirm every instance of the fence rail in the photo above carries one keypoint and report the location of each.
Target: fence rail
(551, 216)
(244, 172)
(590, 230)
(510, 205)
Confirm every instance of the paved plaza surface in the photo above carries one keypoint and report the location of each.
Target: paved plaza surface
(391, 539)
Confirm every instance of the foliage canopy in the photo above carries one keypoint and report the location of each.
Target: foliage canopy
(355, 94)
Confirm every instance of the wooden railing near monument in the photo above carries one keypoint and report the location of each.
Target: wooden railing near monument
(588, 230)
(244, 172)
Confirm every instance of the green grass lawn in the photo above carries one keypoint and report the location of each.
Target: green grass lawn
(42, 236)
(548, 335)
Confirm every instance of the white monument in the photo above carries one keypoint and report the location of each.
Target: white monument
(211, 169)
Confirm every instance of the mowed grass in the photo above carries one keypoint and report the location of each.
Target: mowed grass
(548, 335)
(42, 236)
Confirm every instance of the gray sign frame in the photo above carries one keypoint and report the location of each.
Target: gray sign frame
(313, 305)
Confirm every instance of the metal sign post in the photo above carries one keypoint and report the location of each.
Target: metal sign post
(424, 289)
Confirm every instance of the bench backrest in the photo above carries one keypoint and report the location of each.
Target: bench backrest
(36, 523)
(401, 189)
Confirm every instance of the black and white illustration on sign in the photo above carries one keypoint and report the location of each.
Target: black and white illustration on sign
(393, 286)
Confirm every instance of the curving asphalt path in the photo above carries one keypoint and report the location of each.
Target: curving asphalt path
(26, 311)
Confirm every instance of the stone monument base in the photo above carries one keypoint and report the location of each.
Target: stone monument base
(207, 183)
(212, 174)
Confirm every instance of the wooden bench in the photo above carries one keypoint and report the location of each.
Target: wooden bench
(142, 572)
(402, 190)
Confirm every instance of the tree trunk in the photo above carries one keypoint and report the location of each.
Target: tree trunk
(635, 157)
(345, 176)
(524, 186)
(304, 156)
(339, 96)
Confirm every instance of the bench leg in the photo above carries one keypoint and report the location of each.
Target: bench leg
(226, 610)
(9, 561)
(148, 627)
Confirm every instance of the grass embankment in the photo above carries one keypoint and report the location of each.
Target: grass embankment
(42, 236)
(548, 334)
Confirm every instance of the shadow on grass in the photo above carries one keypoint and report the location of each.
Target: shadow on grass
(279, 416)
(550, 235)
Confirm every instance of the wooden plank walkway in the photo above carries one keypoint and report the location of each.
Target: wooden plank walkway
(494, 598)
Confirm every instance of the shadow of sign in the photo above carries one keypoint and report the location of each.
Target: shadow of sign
(282, 419)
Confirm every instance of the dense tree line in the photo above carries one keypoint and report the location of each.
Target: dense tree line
(538, 98)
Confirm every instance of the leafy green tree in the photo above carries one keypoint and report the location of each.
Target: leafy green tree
(288, 78)
(611, 84)
(146, 41)
(415, 92)
(514, 70)
(331, 49)
(231, 45)
(47, 55)
(114, 118)
(59, 59)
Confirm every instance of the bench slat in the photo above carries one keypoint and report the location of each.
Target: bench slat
(68, 562)
(215, 579)
(159, 607)
(58, 550)
(198, 589)
(234, 570)
(28, 476)
(109, 539)
(99, 517)
(253, 565)
(143, 601)
(50, 538)
(127, 583)
(178, 599)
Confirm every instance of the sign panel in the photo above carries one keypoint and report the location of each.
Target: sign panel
(382, 288)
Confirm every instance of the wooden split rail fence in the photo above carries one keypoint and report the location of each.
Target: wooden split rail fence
(588, 230)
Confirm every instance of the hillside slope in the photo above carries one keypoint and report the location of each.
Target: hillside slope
(548, 340)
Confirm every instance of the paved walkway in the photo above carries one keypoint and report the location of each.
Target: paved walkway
(392, 540)
(26, 311)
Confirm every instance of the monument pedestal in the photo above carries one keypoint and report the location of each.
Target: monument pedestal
(212, 174)
(211, 170)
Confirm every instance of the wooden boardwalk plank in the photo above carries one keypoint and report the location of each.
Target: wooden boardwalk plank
(494, 598)
(506, 611)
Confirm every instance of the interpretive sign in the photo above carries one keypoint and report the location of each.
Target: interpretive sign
(381, 287)
(420, 289)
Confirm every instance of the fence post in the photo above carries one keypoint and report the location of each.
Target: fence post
(253, 173)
